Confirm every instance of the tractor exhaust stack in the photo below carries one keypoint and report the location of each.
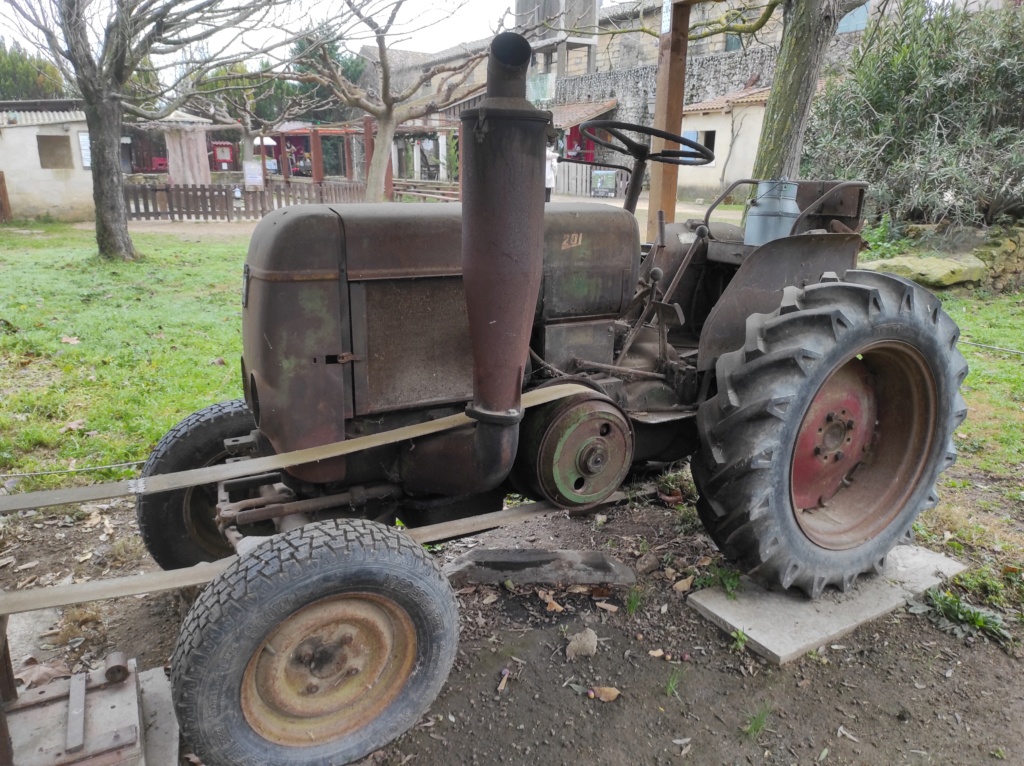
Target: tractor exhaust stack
(503, 142)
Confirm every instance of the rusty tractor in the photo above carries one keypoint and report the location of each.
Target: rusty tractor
(815, 401)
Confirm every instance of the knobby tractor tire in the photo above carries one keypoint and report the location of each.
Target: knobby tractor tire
(829, 430)
(178, 527)
(318, 647)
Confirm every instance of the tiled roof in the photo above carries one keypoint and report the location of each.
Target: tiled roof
(12, 117)
(568, 115)
(724, 103)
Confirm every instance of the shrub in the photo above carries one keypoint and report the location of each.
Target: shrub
(928, 112)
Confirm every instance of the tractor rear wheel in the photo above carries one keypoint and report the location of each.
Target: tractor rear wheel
(829, 430)
(317, 647)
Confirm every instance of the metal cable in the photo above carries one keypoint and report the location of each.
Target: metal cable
(70, 470)
(994, 348)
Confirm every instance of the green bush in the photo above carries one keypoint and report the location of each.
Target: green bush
(929, 113)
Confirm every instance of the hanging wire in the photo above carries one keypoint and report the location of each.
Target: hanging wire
(994, 348)
(71, 470)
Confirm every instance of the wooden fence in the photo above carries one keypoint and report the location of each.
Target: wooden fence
(443, 191)
(218, 202)
(578, 180)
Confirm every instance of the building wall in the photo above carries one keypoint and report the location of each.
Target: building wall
(706, 77)
(736, 139)
(63, 193)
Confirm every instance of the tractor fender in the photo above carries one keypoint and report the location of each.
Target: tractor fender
(757, 286)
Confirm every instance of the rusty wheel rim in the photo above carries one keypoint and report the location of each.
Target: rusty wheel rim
(863, 445)
(328, 669)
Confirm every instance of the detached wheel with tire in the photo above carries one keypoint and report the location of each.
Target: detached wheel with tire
(318, 647)
(178, 527)
(829, 430)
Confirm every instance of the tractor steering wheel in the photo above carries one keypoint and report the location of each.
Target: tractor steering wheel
(693, 154)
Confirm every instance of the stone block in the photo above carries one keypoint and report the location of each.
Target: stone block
(932, 272)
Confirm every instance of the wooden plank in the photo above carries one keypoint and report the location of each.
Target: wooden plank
(278, 194)
(8, 689)
(135, 203)
(204, 195)
(229, 202)
(151, 582)
(75, 733)
(147, 204)
(98, 590)
(56, 689)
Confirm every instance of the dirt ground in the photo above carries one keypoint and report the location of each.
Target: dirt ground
(895, 691)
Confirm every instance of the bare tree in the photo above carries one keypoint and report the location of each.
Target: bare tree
(104, 45)
(391, 100)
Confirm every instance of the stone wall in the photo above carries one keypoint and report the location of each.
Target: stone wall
(1003, 256)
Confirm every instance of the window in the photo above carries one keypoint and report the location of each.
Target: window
(708, 139)
(55, 152)
(732, 42)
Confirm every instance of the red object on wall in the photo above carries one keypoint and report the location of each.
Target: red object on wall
(159, 164)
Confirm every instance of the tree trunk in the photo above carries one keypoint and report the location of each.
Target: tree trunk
(103, 116)
(381, 157)
(808, 28)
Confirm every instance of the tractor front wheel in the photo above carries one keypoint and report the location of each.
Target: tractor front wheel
(829, 430)
(179, 527)
(317, 647)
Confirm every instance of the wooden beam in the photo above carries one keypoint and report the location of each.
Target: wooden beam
(32, 599)
(316, 156)
(668, 112)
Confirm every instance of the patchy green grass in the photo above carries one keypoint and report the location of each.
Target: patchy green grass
(980, 517)
(757, 721)
(99, 359)
(992, 439)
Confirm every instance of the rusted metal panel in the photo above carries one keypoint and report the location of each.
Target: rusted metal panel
(417, 345)
(591, 261)
(757, 286)
(589, 341)
(845, 205)
(395, 240)
(295, 320)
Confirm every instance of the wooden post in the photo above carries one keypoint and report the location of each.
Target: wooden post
(668, 112)
(316, 156)
(348, 158)
(6, 216)
(283, 163)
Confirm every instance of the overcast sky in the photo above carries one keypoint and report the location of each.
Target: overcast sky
(473, 21)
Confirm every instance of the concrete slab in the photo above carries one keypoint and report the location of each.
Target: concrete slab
(158, 720)
(24, 633)
(782, 626)
(527, 566)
